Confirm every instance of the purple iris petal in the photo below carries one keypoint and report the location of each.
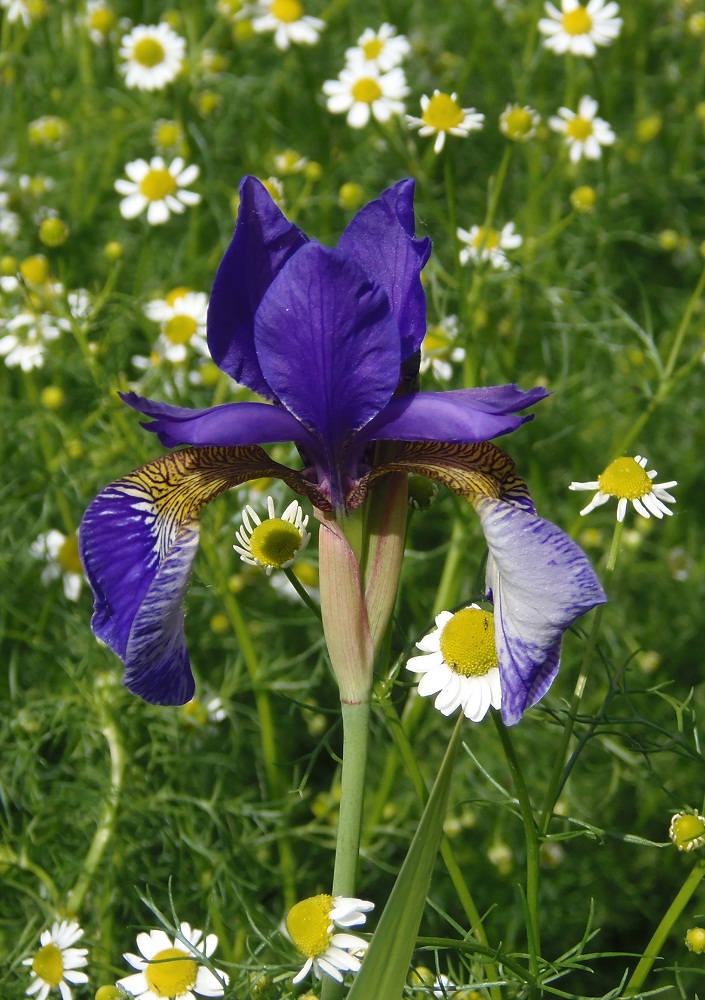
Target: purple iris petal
(231, 424)
(540, 581)
(460, 415)
(381, 239)
(264, 241)
(344, 366)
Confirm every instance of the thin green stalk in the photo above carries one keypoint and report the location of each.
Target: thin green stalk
(452, 867)
(106, 825)
(664, 929)
(302, 592)
(558, 775)
(276, 788)
(48, 453)
(356, 730)
(531, 836)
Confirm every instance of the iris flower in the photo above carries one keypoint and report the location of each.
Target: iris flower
(330, 338)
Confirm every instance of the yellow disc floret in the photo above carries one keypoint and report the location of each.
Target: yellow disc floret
(48, 964)
(148, 52)
(576, 22)
(366, 90)
(309, 925)
(579, 128)
(275, 542)
(443, 113)
(467, 642)
(68, 557)
(287, 11)
(180, 328)
(171, 973)
(487, 238)
(373, 48)
(626, 479)
(157, 184)
(518, 123)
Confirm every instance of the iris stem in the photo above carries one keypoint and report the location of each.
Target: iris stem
(106, 825)
(275, 786)
(664, 929)
(356, 729)
(531, 835)
(396, 727)
(559, 774)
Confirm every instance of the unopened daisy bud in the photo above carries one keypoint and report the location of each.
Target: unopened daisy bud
(113, 250)
(53, 232)
(421, 976)
(695, 940)
(422, 492)
(668, 239)
(111, 993)
(52, 397)
(313, 171)
(648, 128)
(583, 198)
(35, 269)
(696, 24)
(500, 855)
(275, 542)
(243, 30)
(208, 102)
(311, 925)
(49, 132)
(8, 266)
(219, 623)
(687, 831)
(351, 196)
(519, 124)
(168, 136)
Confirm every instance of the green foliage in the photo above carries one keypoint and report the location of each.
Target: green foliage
(106, 802)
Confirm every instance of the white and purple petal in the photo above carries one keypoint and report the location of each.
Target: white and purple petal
(540, 581)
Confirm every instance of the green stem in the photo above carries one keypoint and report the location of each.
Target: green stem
(276, 788)
(106, 826)
(664, 929)
(356, 729)
(452, 867)
(531, 835)
(302, 592)
(558, 775)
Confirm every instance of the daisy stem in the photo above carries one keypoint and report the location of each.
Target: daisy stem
(664, 929)
(559, 774)
(302, 592)
(265, 717)
(356, 729)
(106, 825)
(531, 835)
(407, 754)
(49, 454)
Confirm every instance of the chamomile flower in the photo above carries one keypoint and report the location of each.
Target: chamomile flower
(585, 134)
(439, 350)
(100, 20)
(383, 48)
(286, 18)
(169, 968)
(17, 10)
(157, 188)
(627, 479)
(60, 553)
(483, 243)
(275, 542)
(153, 56)
(363, 91)
(27, 335)
(182, 319)
(442, 116)
(580, 29)
(311, 925)
(519, 123)
(56, 963)
(459, 663)
(687, 831)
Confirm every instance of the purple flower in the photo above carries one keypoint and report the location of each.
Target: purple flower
(330, 337)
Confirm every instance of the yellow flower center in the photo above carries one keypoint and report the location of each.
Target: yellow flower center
(576, 22)
(443, 113)
(171, 973)
(35, 270)
(48, 964)
(625, 479)
(487, 238)
(148, 52)
(168, 134)
(366, 90)
(287, 11)
(275, 542)
(467, 642)
(176, 293)
(308, 925)
(518, 122)
(687, 831)
(373, 48)
(579, 128)
(68, 557)
(435, 340)
(157, 184)
(101, 19)
(180, 329)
